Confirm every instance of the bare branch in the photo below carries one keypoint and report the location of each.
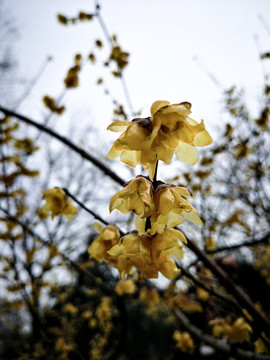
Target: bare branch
(216, 343)
(67, 142)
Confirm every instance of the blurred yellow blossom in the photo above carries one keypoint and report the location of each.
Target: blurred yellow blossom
(238, 331)
(57, 203)
(202, 294)
(260, 347)
(184, 341)
(108, 237)
(169, 131)
(210, 244)
(70, 309)
(149, 295)
(124, 287)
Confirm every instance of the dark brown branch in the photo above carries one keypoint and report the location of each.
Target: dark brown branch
(96, 216)
(217, 344)
(67, 142)
(208, 288)
(264, 239)
(262, 322)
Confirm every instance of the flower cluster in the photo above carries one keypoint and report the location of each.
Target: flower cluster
(169, 131)
(158, 206)
(239, 330)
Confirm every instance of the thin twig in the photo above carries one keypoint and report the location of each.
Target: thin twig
(262, 321)
(67, 142)
(35, 235)
(208, 288)
(264, 239)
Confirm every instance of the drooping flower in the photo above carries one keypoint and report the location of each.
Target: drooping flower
(149, 254)
(169, 131)
(163, 246)
(57, 203)
(171, 208)
(134, 251)
(136, 196)
(109, 236)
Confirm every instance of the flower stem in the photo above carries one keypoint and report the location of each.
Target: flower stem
(155, 176)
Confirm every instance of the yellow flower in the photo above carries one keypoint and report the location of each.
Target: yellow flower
(136, 196)
(134, 251)
(202, 294)
(170, 210)
(149, 254)
(57, 203)
(164, 245)
(109, 236)
(238, 331)
(184, 341)
(169, 131)
(260, 347)
(124, 287)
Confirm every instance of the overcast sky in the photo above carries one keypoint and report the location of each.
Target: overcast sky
(164, 37)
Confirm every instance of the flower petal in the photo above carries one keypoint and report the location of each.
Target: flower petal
(157, 105)
(118, 126)
(187, 153)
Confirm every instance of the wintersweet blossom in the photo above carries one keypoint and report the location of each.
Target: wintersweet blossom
(149, 254)
(136, 196)
(125, 287)
(239, 330)
(169, 131)
(57, 203)
(109, 236)
(184, 341)
(170, 209)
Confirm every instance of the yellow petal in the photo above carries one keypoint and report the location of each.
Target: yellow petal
(116, 250)
(174, 220)
(135, 137)
(157, 105)
(113, 153)
(165, 201)
(98, 227)
(129, 157)
(192, 216)
(151, 168)
(181, 190)
(118, 126)
(185, 134)
(168, 268)
(177, 234)
(140, 224)
(187, 153)
(202, 139)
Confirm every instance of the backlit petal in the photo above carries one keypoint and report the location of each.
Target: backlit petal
(187, 153)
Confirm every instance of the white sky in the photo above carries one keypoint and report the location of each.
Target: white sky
(163, 37)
